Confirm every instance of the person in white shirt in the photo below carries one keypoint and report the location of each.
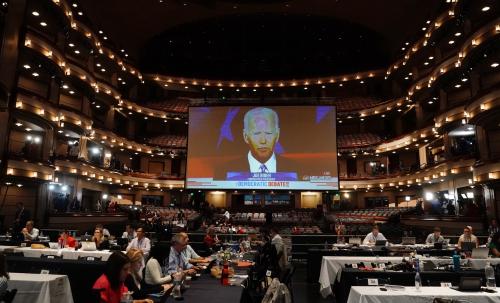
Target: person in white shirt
(374, 236)
(141, 242)
(154, 274)
(30, 233)
(467, 236)
(129, 233)
(435, 237)
(281, 252)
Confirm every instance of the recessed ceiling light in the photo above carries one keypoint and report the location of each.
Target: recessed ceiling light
(77, 51)
(105, 38)
(80, 14)
(43, 23)
(458, 86)
(65, 86)
(71, 92)
(451, 42)
(35, 13)
(457, 34)
(35, 74)
(98, 106)
(130, 113)
(464, 79)
(100, 32)
(71, 45)
(103, 69)
(75, 5)
(430, 102)
(424, 28)
(426, 63)
(431, 57)
(19, 124)
(26, 66)
(98, 64)
(494, 64)
(123, 82)
(485, 9)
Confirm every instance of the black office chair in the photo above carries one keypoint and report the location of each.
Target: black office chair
(364, 281)
(9, 296)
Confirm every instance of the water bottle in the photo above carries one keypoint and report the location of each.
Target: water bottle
(418, 280)
(456, 262)
(489, 272)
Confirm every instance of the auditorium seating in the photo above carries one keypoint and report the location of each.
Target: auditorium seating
(167, 213)
(363, 216)
(358, 140)
(179, 105)
(292, 217)
(355, 103)
(169, 141)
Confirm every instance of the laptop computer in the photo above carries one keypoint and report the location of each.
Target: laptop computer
(408, 240)
(355, 240)
(87, 238)
(380, 242)
(480, 253)
(122, 241)
(89, 246)
(438, 245)
(468, 246)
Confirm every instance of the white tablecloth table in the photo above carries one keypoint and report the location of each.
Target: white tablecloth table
(66, 253)
(373, 294)
(331, 267)
(40, 288)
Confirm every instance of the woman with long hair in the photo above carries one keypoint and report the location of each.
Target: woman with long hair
(4, 276)
(100, 240)
(111, 284)
(154, 274)
(134, 281)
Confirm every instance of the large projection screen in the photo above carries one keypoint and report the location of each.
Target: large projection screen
(262, 147)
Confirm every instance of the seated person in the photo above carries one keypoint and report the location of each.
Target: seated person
(66, 239)
(29, 232)
(245, 244)
(134, 279)
(154, 274)
(129, 233)
(105, 231)
(211, 240)
(189, 254)
(101, 242)
(374, 236)
(467, 236)
(494, 245)
(140, 242)
(111, 284)
(176, 261)
(435, 237)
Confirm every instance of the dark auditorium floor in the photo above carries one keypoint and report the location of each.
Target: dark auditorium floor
(304, 292)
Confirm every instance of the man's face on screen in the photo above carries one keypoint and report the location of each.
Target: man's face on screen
(261, 136)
